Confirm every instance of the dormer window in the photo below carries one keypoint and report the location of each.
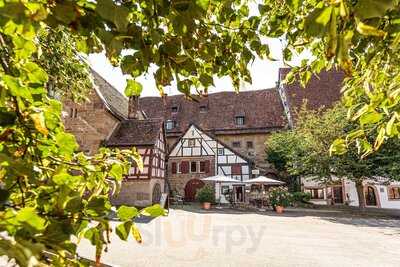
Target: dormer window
(169, 125)
(174, 109)
(239, 120)
(73, 112)
(203, 108)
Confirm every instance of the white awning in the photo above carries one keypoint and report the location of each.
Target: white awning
(264, 180)
(220, 179)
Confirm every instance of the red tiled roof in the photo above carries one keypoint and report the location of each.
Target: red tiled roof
(323, 90)
(262, 109)
(136, 133)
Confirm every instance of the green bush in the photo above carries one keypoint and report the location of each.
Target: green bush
(301, 197)
(206, 194)
(279, 196)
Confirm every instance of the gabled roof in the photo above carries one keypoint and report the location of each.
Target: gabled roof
(136, 133)
(323, 90)
(211, 136)
(115, 102)
(262, 109)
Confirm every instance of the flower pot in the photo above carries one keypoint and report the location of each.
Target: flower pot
(206, 205)
(279, 209)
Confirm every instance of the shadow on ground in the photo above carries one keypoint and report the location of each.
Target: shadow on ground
(343, 216)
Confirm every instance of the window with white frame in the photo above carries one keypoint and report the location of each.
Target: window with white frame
(169, 124)
(239, 120)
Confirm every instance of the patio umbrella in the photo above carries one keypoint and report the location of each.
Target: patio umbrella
(264, 180)
(220, 179)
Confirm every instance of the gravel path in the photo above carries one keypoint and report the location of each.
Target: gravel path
(296, 238)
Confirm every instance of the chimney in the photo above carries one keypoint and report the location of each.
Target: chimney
(133, 107)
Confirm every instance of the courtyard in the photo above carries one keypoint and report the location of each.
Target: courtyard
(193, 237)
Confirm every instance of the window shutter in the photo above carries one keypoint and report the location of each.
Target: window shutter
(173, 167)
(207, 166)
(236, 169)
(391, 192)
(184, 167)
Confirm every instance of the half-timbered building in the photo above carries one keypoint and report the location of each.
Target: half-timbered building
(197, 155)
(141, 188)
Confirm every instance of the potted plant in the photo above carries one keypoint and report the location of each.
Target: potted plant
(206, 196)
(279, 198)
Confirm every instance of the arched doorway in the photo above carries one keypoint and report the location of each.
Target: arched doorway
(370, 197)
(191, 188)
(156, 196)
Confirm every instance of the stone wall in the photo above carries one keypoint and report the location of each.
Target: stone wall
(257, 153)
(90, 122)
(137, 192)
(178, 181)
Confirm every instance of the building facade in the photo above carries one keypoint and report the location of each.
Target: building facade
(240, 122)
(378, 193)
(197, 155)
(142, 187)
(244, 120)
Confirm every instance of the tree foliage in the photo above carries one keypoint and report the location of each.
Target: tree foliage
(47, 185)
(68, 74)
(359, 37)
(304, 150)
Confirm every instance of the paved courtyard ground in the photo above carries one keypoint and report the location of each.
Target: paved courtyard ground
(192, 237)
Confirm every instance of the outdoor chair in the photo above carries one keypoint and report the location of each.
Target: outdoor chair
(178, 200)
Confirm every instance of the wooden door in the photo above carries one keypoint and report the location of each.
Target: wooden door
(337, 194)
(156, 196)
(191, 189)
(370, 197)
(239, 193)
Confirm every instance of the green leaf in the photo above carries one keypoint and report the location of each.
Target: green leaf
(114, 13)
(206, 80)
(29, 216)
(367, 9)
(316, 21)
(153, 211)
(98, 206)
(369, 30)
(133, 88)
(65, 12)
(391, 128)
(338, 147)
(203, 4)
(66, 143)
(370, 118)
(123, 230)
(127, 213)
(35, 73)
(16, 88)
(380, 138)
(64, 178)
(116, 171)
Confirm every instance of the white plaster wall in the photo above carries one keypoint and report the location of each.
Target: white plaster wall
(351, 193)
(384, 198)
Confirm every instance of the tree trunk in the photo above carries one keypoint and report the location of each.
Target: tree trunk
(360, 193)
